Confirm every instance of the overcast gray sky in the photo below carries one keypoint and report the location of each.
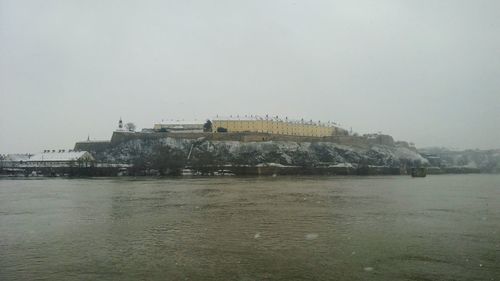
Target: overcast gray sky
(422, 71)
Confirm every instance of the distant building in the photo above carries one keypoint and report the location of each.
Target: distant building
(275, 125)
(180, 127)
(11, 160)
(17, 157)
(61, 158)
(48, 158)
(93, 146)
(380, 139)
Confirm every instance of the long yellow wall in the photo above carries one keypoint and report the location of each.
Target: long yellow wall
(274, 127)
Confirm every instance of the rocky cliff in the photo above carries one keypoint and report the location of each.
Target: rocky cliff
(202, 153)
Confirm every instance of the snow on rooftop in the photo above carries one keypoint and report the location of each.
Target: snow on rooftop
(173, 122)
(271, 118)
(182, 122)
(17, 157)
(58, 156)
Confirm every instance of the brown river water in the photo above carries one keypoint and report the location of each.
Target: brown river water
(443, 227)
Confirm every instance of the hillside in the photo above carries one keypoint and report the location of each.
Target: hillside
(487, 161)
(169, 154)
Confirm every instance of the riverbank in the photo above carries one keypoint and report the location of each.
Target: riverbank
(260, 170)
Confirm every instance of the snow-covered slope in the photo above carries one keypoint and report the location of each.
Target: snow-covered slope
(277, 152)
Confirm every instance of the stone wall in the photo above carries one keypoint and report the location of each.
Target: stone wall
(380, 139)
(277, 127)
(120, 137)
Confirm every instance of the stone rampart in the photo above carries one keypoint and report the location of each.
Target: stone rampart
(120, 137)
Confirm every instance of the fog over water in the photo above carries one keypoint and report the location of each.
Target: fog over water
(422, 71)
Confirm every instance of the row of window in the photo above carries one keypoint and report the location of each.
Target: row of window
(276, 128)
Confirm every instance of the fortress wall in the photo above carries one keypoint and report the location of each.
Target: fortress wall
(256, 137)
(119, 137)
(383, 140)
(351, 141)
(299, 138)
(276, 127)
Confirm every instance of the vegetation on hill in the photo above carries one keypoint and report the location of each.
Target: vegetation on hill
(168, 156)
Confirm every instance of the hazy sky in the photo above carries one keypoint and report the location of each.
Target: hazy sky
(422, 71)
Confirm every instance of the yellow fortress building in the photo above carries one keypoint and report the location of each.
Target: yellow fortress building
(275, 125)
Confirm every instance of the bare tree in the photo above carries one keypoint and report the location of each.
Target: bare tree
(207, 127)
(130, 127)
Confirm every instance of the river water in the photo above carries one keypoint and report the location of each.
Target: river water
(227, 228)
